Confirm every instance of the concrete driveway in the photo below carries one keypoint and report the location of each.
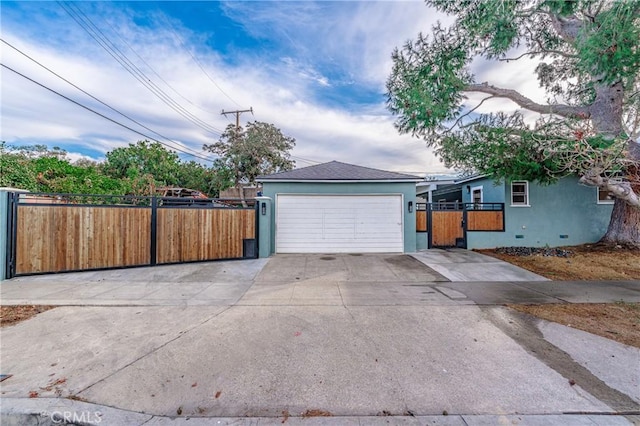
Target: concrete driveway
(360, 337)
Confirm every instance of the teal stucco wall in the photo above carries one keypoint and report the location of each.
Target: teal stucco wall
(492, 191)
(565, 213)
(407, 189)
(4, 207)
(264, 226)
(422, 241)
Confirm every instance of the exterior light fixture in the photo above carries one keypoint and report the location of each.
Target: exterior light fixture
(263, 207)
(410, 206)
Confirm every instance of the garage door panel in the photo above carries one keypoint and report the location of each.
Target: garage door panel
(339, 224)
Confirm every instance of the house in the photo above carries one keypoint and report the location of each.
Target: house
(337, 208)
(426, 188)
(520, 213)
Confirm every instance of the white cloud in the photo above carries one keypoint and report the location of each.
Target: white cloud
(338, 45)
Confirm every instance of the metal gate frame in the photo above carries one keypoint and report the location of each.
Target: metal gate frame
(465, 208)
(250, 246)
(444, 207)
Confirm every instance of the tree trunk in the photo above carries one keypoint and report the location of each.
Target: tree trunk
(241, 194)
(606, 116)
(624, 226)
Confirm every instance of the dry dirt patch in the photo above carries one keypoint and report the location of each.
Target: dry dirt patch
(616, 321)
(585, 262)
(10, 315)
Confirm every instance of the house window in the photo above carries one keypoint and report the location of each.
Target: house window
(604, 197)
(476, 197)
(520, 193)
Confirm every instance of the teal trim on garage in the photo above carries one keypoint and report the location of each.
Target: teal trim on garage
(4, 216)
(264, 226)
(406, 189)
(565, 213)
(422, 241)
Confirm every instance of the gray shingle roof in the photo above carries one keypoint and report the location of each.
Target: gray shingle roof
(335, 170)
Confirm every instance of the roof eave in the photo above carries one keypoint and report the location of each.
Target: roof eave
(340, 180)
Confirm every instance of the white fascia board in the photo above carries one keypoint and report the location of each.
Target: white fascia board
(340, 181)
(471, 178)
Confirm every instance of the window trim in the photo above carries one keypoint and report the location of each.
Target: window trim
(603, 202)
(527, 202)
(476, 188)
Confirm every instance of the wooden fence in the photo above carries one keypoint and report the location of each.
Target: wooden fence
(74, 237)
(479, 220)
(57, 238)
(421, 220)
(186, 235)
(448, 223)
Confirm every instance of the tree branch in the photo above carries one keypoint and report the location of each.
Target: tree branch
(469, 112)
(526, 103)
(567, 28)
(544, 52)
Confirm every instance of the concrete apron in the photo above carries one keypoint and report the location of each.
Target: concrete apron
(460, 265)
(319, 334)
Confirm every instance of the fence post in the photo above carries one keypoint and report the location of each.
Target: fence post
(154, 232)
(4, 234)
(264, 226)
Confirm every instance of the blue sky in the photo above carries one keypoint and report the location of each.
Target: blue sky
(314, 69)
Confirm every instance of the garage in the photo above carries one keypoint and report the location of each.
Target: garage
(339, 224)
(337, 208)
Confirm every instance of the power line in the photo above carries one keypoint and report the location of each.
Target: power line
(198, 62)
(196, 154)
(158, 75)
(98, 113)
(305, 160)
(85, 23)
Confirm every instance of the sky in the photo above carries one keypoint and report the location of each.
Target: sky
(314, 69)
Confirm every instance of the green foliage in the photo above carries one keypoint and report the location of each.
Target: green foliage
(609, 46)
(143, 158)
(131, 170)
(503, 147)
(588, 52)
(261, 148)
(16, 171)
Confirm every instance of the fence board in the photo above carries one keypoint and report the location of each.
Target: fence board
(55, 238)
(446, 227)
(479, 220)
(202, 234)
(421, 221)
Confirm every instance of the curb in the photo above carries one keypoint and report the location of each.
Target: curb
(57, 411)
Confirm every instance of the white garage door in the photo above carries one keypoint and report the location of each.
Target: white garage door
(339, 224)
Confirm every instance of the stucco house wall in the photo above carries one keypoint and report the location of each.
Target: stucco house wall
(564, 213)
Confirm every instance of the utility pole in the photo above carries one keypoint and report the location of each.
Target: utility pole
(239, 186)
(237, 113)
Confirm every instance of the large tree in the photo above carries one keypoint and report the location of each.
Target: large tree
(586, 55)
(259, 149)
(143, 158)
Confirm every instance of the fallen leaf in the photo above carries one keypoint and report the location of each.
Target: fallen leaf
(194, 385)
(316, 413)
(33, 394)
(218, 394)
